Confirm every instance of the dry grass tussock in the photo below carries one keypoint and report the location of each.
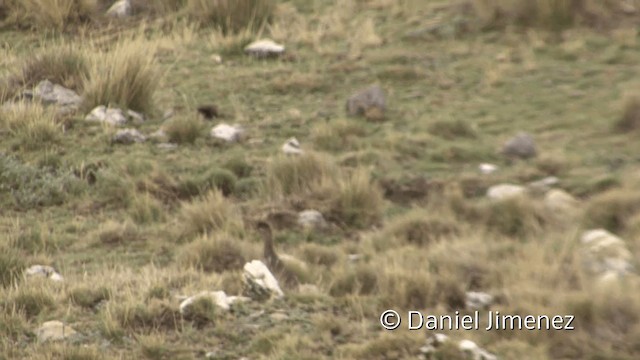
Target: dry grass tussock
(125, 76)
(232, 16)
(350, 196)
(551, 14)
(34, 125)
(48, 14)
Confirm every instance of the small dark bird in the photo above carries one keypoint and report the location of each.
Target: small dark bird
(272, 259)
(208, 111)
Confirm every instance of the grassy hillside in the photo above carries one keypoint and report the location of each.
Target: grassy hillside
(133, 227)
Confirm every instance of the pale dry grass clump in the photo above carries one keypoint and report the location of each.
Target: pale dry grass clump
(32, 123)
(422, 227)
(215, 254)
(232, 16)
(613, 210)
(299, 175)
(211, 212)
(49, 14)
(125, 76)
(337, 135)
(349, 197)
(357, 201)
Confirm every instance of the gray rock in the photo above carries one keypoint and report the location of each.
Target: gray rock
(49, 93)
(366, 100)
(128, 136)
(505, 191)
(264, 48)
(520, 146)
(111, 116)
(44, 271)
(311, 219)
(54, 331)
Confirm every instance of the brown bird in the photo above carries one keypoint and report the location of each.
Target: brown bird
(208, 111)
(273, 261)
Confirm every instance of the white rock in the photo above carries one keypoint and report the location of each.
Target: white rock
(49, 93)
(264, 48)
(54, 331)
(259, 278)
(605, 254)
(119, 9)
(44, 271)
(478, 300)
(505, 191)
(219, 298)
(487, 168)
(292, 147)
(112, 116)
(129, 136)
(311, 219)
(230, 133)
